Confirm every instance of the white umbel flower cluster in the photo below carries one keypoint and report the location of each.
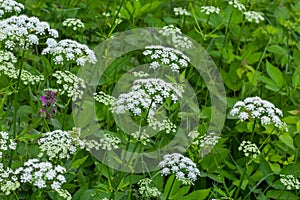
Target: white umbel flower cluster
(106, 99)
(290, 182)
(161, 55)
(106, 142)
(146, 190)
(8, 180)
(74, 23)
(42, 174)
(237, 4)
(140, 74)
(185, 169)
(8, 6)
(207, 140)
(210, 10)
(23, 31)
(181, 11)
(178, 39)
(257, 108)
(6, 144)
(70, 84)
(164, 125)
(69, 51)
(254, 16)
(249, 149)
(7, 62)
(141, 136)
(59, 144)
(146, 94)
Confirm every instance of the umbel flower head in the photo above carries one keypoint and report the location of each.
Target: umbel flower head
(8, 6)
(8, 180)
(59, 144)
(249, 149)
(42, 174)
(146, 94)
(167, 56)
(69, 51)
(178, 39)
(7, 67)
(290, 182)
(145, 190)
(257, 108)
(185, 169)
(6, 143)
(74, 23)
(22, 31)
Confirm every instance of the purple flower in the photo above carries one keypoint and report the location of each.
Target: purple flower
(48, 103)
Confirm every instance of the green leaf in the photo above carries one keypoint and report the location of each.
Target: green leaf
(275, 74)
(281, 194)
(276, 49)
(79, 162)
(291, 169)
(287, 139)
(266, 170)
(197, 195)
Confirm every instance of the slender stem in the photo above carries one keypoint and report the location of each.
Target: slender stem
(170, 190)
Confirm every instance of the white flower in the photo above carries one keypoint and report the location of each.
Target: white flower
(59, 144)
(6, 144)
(81, 54)
(8, 180)
(106, 142)
(23, 31)
(237, 4)
(177, 38)
(186, 170)
(249, 149)
(254, 16)
(210, 9)
(38, 173)
(290, 182)
(181, 11)
(168, 56)
(74, 23)
(72, 85)
(145, 190)
(7, 6)
(256, 108)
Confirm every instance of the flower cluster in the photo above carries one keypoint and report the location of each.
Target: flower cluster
(23, 31)
(106, 142)
(208, 140)
(70, 84)
(48, 102)
(256, 108)
(161, 55)
(74, 23)
(69, 50)
(8, 180)
(249, 149)
(6, 143)
(165, 125)
(140, 74)
(184, 168)
(7, 6)
(42, 174)
(254, 16)
(210, 9)
(146, 94)
(7, 62)
(145, 190)
(178, 39)
(290, 182)
(59, 144)
(237, 4)
(106, 99)
(181, 11)
(143, 137)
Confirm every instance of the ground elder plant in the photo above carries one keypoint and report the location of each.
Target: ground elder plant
(140, 102)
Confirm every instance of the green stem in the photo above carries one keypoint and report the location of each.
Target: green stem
(170, 190)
